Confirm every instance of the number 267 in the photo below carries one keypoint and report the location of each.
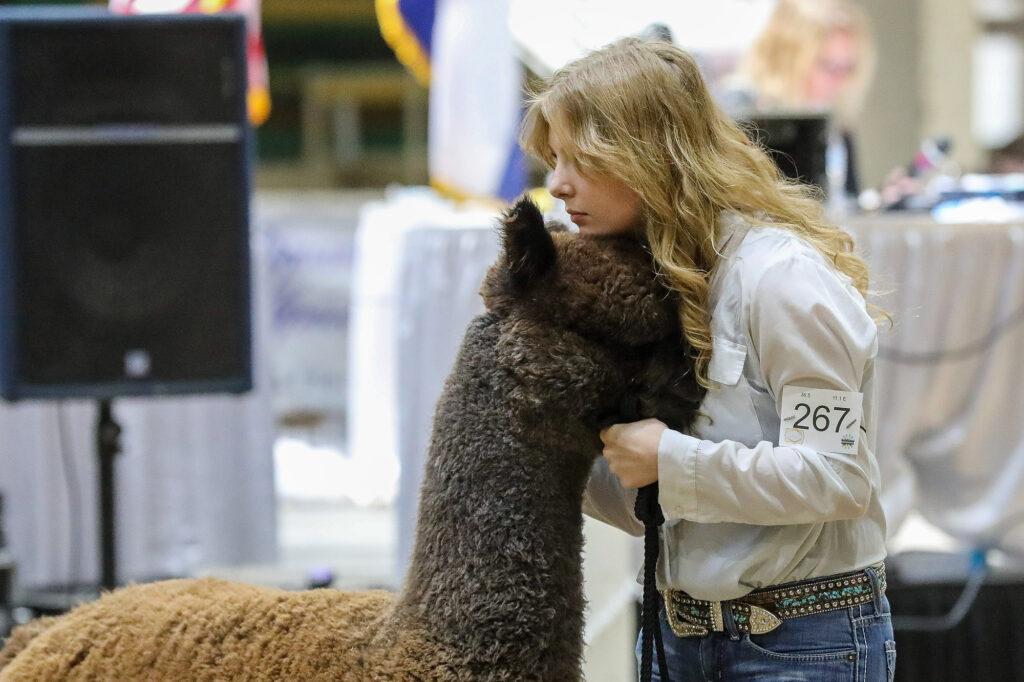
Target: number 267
(821, 418)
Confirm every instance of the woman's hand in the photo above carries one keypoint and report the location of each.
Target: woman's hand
(632, 451)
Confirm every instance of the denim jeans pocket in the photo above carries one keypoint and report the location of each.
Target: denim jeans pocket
(814, 638)
(808, 655)
(890, 659)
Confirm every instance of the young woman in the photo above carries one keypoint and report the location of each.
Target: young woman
(771, 553)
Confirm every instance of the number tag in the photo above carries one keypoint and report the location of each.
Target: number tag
(820, 418)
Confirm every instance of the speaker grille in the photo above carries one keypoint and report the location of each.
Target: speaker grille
(124, 152)
(131, 252)
(125, 71)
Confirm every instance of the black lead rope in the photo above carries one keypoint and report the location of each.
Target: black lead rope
(649, 512)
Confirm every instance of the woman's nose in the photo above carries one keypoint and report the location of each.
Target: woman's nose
(557, 185)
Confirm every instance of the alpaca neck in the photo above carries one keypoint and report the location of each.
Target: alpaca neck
(496, 572)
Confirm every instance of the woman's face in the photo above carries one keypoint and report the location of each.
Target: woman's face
(599, 205)
(833, 69)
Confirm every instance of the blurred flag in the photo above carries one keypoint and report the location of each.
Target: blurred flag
(259, 82)
(463, 49)
(407, 27)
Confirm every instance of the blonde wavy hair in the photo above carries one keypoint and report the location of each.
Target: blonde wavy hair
(784, 53)
(639, 111)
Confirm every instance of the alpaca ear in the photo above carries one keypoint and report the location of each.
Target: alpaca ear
(529, 249)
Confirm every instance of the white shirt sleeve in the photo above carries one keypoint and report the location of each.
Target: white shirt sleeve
(807, 328)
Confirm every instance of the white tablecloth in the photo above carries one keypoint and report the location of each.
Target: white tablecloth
(951, 434)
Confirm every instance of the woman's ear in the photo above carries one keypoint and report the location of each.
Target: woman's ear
(529, 250)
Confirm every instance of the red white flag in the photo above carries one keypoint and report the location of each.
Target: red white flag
(259, 84)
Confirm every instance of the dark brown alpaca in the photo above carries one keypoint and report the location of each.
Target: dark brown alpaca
(577, 332)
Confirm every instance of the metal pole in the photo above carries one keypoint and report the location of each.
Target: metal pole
(108, 444)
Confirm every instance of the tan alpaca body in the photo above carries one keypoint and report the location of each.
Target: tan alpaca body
(209, 630)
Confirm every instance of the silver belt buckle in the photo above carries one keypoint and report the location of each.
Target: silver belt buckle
(717, 622)
(677, 620)
(762, 620)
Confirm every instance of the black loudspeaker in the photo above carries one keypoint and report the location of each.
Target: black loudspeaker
(125, 157)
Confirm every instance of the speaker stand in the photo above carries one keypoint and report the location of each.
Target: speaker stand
(108, 445)
(58, 599)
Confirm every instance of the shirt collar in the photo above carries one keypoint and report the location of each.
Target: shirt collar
(732, 228)
(729, 225)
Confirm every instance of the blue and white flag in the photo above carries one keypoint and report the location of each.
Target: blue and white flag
(464, 50)
(408, 27)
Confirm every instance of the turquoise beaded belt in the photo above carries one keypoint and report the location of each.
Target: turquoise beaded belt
(764, 610)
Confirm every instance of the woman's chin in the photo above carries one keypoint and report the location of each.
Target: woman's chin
(592, 230)
(589, 228)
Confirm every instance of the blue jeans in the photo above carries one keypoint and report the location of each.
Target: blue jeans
(851, 645)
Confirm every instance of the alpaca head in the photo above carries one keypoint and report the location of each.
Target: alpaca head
(586, 324)
(604, 288)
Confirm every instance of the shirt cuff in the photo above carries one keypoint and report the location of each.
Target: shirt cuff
(677, 475)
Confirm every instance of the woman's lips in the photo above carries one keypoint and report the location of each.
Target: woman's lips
(576, 216)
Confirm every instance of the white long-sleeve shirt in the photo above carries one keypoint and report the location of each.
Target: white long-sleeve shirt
(743, 512)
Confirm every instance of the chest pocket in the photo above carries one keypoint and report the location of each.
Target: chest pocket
(728, 401)
(727, 360)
